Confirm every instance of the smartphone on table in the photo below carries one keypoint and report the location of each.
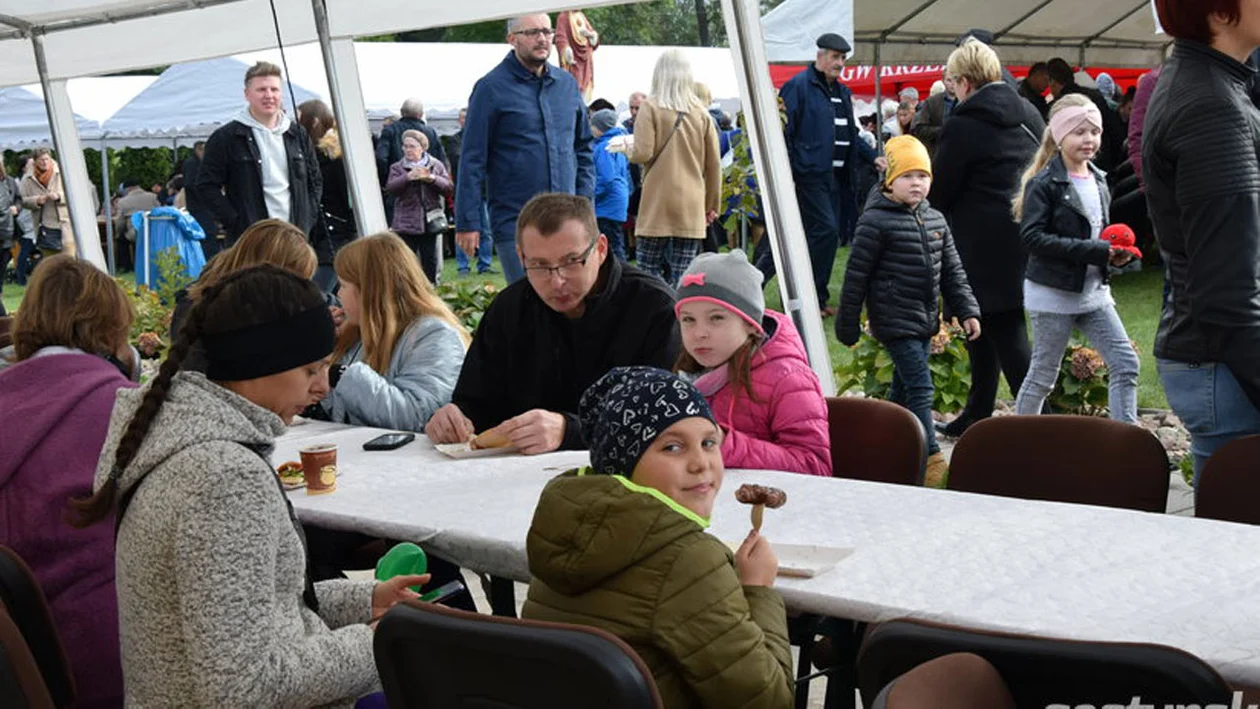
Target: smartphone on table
(389, 442)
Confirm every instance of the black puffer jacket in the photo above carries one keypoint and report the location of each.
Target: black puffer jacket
(982, 151)
(902, 261)
(1056, 231)
(1199, 158)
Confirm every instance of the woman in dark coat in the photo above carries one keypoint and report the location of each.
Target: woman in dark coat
(335, 226)
(989, 140)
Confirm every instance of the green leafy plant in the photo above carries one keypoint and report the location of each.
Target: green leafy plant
(468, 299)
(870, 369)
(1186, 467)
(150, 333)
(1082, 385)
(739, 181)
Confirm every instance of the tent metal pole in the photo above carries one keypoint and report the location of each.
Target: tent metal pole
(1098, 35)
(74, 177)
(879, 97)
(346, 92)
(107, 204)
(774, 175)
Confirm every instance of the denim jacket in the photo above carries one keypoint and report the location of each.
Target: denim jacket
(525, 134)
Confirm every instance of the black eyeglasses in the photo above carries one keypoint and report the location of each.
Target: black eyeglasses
(566, 270)
(536, 31)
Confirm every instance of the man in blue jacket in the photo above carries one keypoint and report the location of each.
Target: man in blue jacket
(527, 133)
(825, 152)
(612, 182)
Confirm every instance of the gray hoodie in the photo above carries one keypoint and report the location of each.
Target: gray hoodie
(210, 570)
(275, 163)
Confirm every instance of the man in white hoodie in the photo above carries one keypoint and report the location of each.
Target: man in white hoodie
(262, 164)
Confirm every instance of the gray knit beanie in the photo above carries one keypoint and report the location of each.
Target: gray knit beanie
(727, 280)
(603, 120)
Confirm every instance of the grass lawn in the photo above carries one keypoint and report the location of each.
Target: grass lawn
(1137, 298)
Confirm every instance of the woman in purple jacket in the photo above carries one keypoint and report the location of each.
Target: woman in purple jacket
(420, 185)
(57, 384)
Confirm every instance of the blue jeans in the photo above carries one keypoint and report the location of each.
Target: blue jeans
(912, 383)
(505, 244)
(1209, 401)
(829, 215)
(1105, 331)
(615, 232)
(485, 246)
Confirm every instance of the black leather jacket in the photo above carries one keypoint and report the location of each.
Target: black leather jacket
(903, 261)
(1202, 180)
(230, 180)
(1056, 232)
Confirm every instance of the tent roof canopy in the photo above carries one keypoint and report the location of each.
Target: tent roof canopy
(1117, 33)
(94, 37)
(189, 100)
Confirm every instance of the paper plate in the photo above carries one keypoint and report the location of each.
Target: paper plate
(461, 450)
(804, 560)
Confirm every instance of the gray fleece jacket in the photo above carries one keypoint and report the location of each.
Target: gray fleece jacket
(210, 570)
(420, 380)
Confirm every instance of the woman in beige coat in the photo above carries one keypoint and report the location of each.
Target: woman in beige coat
(676, 141)
(43, 194)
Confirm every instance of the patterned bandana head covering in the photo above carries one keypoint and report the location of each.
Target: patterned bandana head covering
(628, 408)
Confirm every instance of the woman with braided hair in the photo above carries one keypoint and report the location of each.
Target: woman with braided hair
(215, 603)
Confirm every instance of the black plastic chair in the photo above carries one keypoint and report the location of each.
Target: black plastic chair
(875, 440)
(21, 684)
(25, 604)
(1043, 671)
(1078, 459)
(1229, 486)
(433, 657)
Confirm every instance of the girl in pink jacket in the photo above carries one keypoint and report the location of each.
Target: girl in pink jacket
(750, 365)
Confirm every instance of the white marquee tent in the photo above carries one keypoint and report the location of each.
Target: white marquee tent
(188, 101)
(24, 120)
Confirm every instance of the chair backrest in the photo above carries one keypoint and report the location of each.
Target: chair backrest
(958, 681)
(433, 657)
(1080, 459)
(22, 598)
(21, 684)
(875, 440)
(1041, 672)
(1229, 486)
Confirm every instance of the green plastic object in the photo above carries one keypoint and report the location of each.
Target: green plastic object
(404, 559)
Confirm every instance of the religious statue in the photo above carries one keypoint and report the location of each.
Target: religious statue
(576, 42)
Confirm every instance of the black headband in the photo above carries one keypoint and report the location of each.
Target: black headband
(269, 348)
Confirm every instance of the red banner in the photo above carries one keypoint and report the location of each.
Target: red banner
(861, 79)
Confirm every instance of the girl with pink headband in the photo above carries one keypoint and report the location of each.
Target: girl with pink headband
(1063, 209)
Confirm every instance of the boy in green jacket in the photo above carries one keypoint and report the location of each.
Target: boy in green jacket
(621, 546)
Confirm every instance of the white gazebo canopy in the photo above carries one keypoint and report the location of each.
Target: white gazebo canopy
(188, 101)
(1114, 33)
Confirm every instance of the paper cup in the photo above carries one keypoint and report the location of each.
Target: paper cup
(319, 465)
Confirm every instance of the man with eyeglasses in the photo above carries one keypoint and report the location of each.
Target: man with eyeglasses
(527, 133)
(579, 313)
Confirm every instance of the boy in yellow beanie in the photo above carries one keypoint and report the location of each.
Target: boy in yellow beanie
(903, 260)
